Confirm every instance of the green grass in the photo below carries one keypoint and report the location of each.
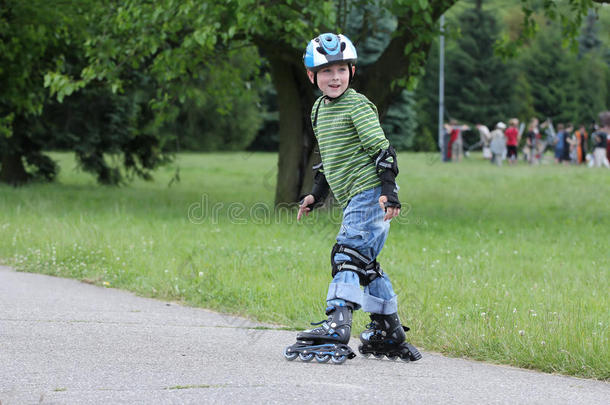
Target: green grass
(508, 265)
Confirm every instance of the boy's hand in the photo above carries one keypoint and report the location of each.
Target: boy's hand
(304, 207)
(390, 212)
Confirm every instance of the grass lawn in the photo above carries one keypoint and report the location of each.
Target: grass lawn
(503, 264)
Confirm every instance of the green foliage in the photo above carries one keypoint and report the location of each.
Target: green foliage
(46, 38)
(564, 86)
(589, 40)
(267, 138)
(426, 95)
(569, 13)
(371, 28)
(107, 132)
(544, 79)
(478, 83)
(548, 72)
(32, 34)
(174, 39)
(215, 116)
(523, 100)
(400, 122)
(166, 67)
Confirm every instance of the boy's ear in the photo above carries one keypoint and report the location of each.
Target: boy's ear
(353, 70)
(310, 74)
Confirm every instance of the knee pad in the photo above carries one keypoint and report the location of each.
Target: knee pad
(366, 269)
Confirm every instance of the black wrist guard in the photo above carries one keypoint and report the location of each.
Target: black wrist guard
(320, 188)
(387, 170)
(389, 189)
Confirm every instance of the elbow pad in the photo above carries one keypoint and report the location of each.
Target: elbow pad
(386, 165)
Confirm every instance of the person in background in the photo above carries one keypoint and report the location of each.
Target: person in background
(446, 142)
(512, 140)
(456, 141)
(600, 141)
(569, 152)
(498, 143)
(582, 137)
(485, 140)
(560, 142)
(532, 137)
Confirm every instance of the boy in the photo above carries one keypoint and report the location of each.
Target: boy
(360, 167)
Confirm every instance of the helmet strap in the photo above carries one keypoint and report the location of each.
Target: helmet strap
(349, 67)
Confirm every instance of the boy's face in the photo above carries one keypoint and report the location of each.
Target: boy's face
(333, 80)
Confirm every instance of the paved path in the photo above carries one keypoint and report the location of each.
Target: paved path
(65, 342)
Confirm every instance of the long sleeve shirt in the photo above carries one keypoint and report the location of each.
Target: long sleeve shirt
(349, 137)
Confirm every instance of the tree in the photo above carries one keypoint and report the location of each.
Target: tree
(30, 34)
(372, 28)
(563, 87)
(527, 91)
(478, 83)
(173, 39)
(38, 37)
(214, 117)
(593, 75)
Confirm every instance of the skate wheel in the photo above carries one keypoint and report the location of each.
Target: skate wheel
(290, 355)
(339, 359)
(393, 358)
(306, 357)
(322, 358)
(378, 355)
(362, 352)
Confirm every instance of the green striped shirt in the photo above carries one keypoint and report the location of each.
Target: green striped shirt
(349, 137)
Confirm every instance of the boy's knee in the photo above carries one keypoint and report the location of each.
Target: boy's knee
(357, 263)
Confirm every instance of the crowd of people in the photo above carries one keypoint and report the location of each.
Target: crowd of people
(502, 143)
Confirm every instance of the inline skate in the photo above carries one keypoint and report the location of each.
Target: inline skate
(385, 336)
(326, 342)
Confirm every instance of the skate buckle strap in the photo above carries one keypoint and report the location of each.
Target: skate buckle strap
(367, 270)
(324, 324)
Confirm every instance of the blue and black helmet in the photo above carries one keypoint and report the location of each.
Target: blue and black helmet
(327, 49)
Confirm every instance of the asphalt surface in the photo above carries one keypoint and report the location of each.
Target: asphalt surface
(66, 342)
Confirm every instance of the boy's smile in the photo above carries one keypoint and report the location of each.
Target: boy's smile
(333, 80)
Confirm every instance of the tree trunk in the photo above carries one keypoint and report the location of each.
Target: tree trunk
(12, 171)
(295, 99)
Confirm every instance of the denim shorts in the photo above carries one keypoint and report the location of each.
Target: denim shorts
(363, 229)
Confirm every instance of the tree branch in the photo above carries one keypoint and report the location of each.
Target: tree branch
(394, 63)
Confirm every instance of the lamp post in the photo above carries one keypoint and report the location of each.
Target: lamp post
(441, 89)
